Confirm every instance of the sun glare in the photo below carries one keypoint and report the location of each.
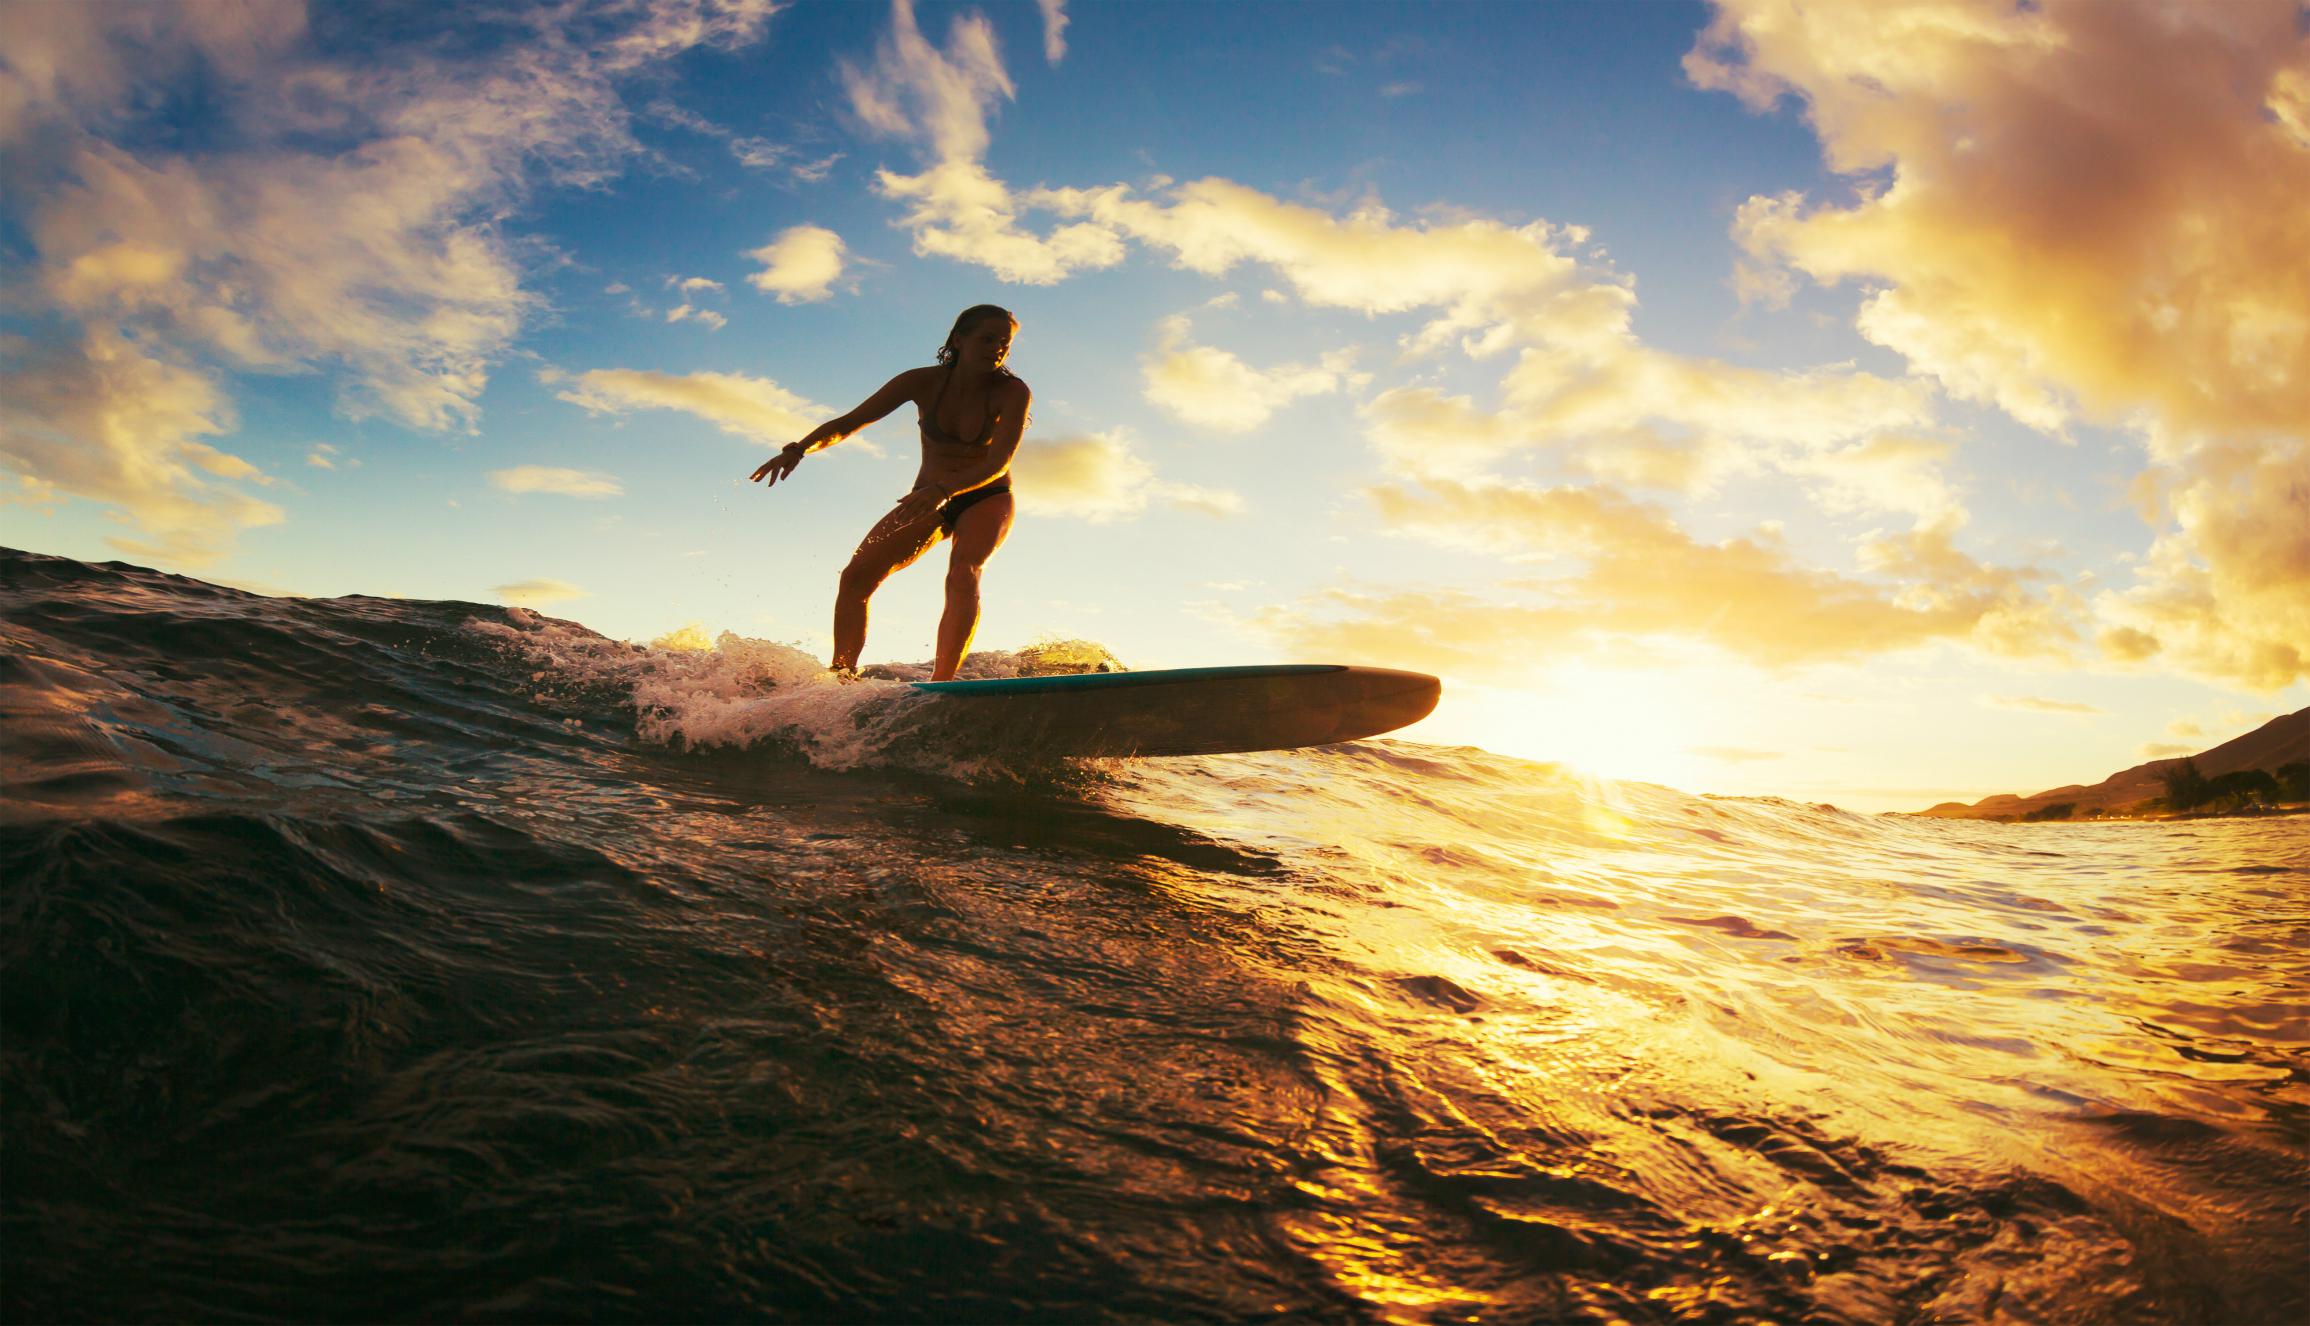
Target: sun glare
(1613, 723)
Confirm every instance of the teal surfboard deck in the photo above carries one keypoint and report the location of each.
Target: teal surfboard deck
(1190, 711)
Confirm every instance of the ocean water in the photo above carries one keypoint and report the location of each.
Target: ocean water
(381, 959)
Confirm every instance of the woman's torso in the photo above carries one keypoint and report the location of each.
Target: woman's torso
(957, 422)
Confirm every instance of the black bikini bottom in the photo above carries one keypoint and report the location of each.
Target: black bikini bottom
(961, 502)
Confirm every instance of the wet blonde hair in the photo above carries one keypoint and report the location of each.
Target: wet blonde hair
(972, 317)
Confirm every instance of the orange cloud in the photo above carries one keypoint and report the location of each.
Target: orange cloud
(957, 210)
(941, 100)
(2081, 209)
(379, 255)
(554, 479)
(1639, 575)
(800, 266)
(1214, 389)
(746, 406)
(2225, 590)
(108, 421)
(1099, 478)
(2087, 203)
(913, 89)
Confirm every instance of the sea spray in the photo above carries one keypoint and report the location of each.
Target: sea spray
(734, 692)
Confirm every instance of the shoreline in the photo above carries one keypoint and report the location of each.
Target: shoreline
(2156, 817)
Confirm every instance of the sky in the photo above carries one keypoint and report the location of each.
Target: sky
(1879, 404)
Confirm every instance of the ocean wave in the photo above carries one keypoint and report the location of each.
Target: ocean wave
(372, 958)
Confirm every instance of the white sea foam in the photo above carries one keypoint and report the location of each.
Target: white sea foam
(739, 693)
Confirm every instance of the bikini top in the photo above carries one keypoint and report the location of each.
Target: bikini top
(931, 432)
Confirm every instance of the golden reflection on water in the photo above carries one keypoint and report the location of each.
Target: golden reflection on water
(1761, 1035)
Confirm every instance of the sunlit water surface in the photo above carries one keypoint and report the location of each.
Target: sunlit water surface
(378, 959)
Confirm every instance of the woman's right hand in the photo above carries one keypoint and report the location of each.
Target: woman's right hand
(779, 466)
(922, 502)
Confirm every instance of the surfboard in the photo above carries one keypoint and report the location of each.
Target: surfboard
(1190, 711)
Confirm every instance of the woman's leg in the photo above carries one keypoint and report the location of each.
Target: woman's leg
(977, 533)
(891, 546)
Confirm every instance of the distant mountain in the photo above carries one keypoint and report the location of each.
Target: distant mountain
(2280, 741)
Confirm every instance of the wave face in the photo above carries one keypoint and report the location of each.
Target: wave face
(383, 959)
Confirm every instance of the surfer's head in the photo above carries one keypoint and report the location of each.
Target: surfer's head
(981, 338)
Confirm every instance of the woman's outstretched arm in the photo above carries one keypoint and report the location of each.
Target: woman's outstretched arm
(888, 397)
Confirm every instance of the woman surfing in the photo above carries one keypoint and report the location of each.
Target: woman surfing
(972, 413)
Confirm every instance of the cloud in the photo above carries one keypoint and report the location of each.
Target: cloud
(1422, 431)
(539, 593)
(1213, 389)
(2082, 209)
(338, 215)
(1884, 471)
(2035, 705)
(107, 420)
(957, 210)
(1637, 574)
(2164, 750)
(1485, 275)
(800, 266)
(690, 285)
(2182, 727)
(1054, 29)
(1623, 412)
(1098, 477)
(1493, 283)
(2088, 204)
(746, 406)
(914, 90)
(1579, 376)
(79, 67)
(549, 479)
(814, 172)
(940, 100)
(764, 154)
(2225, 589)
(1581, 385)
(751, 151)
(664, 111)
(759, 153)
(691, 313)
(322, 456)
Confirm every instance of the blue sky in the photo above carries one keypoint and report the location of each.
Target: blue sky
(1877, 405)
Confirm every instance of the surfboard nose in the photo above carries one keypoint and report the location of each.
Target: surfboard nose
(1384, 699)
